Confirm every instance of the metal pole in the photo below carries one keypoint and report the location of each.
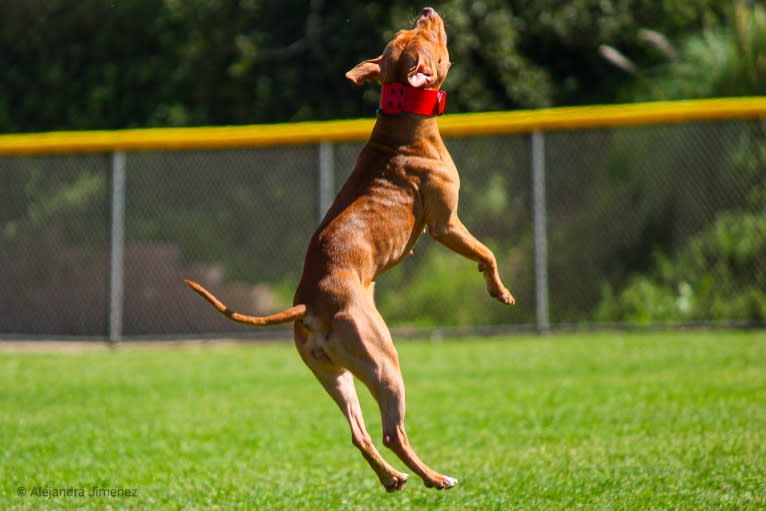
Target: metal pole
(117, 249)
(326, 177)
(540, 231)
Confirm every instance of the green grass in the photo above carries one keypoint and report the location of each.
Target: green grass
(605, 421)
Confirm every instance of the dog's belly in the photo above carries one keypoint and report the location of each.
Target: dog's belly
(371, 234)
(397, 244)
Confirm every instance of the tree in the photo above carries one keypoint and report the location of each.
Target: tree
(93, 64)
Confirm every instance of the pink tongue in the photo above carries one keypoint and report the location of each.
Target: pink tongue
(419, 79)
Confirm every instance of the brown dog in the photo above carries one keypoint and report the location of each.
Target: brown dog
(404, 181)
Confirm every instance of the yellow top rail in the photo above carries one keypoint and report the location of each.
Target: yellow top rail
(584, 117)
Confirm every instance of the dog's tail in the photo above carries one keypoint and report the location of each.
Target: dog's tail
(291, 314)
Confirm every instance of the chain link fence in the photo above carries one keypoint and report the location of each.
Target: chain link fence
(645, 225)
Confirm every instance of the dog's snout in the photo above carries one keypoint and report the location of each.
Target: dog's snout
(427, 12)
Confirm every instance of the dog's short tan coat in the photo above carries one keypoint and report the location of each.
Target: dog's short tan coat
(404, 183)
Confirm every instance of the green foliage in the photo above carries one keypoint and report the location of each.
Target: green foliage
(40, 193)
(447, 290)
(77, 65)
(171, 199)
(229, 62)
(489, 71)
(721, 60)
(718, 275)
(99, 65)
(563, 38)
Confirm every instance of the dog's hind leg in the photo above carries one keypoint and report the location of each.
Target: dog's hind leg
(339, 383)
(362, 343)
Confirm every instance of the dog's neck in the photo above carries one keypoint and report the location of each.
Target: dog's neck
(410, 119)
(417, 132)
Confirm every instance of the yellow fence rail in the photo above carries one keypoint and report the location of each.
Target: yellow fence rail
(551, 119)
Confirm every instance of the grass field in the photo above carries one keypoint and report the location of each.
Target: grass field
(578, 421)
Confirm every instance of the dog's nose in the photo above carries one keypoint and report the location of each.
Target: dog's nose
(427, 11)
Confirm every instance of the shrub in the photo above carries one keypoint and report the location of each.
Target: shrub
(720, 274)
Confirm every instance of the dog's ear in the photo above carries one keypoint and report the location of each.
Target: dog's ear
(365, 71)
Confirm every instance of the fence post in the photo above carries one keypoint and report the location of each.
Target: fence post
(540, 231)
(117, 248)
(326, 177)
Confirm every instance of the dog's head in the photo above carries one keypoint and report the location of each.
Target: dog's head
(416, 57)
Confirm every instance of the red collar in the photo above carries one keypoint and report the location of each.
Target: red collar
(396, 99)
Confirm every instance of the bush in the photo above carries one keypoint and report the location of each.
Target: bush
(440, 288)
(720, 274)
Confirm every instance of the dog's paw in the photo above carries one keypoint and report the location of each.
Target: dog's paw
(449, 482)
(395, 482)
(506, 298)
(501, 294)
(441, 482)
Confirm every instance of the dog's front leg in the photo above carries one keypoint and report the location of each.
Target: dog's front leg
(440, 198)
(455, 236)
